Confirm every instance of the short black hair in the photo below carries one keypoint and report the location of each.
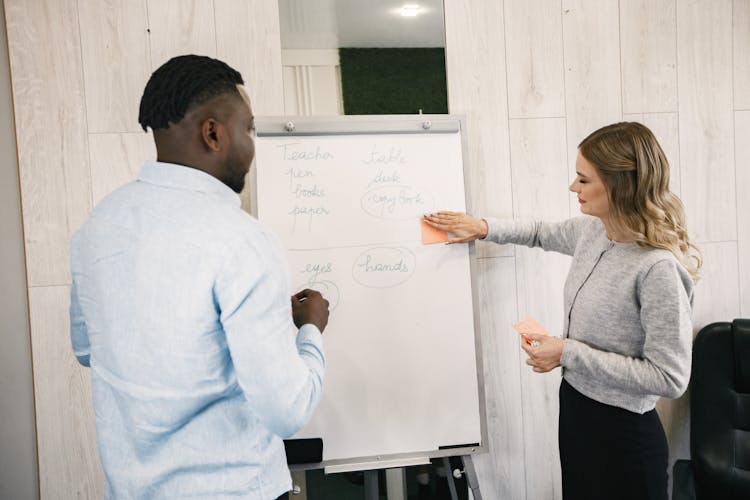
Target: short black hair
(182, 83)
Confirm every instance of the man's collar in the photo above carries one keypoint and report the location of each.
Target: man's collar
(182, 177)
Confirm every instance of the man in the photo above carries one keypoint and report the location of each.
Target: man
(179, 305)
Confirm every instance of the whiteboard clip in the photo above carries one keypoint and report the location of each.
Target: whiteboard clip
(289, 127)
(427, 125)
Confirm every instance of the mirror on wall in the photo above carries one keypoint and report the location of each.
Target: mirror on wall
(363, 57)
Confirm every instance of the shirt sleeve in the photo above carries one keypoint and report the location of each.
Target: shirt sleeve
(664, 369)
(559, 237)
(78, 333)
(279, 368)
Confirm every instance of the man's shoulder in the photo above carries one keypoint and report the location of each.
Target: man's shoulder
(106, 207)
(230, 229)
(196, 218)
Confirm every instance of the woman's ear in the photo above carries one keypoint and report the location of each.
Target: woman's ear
(212, 133)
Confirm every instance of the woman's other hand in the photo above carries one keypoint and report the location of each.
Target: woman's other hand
(463, 226)
(544, 351)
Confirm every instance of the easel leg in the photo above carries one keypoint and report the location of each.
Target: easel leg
(449, 477)
(471, 477)
(299, 485)
(371, 485)
(395, 484)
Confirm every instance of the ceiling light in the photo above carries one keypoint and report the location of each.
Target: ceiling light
(410, 10)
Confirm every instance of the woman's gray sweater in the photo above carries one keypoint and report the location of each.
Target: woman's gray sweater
(627, 332)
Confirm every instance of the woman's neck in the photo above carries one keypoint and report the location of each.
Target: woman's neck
(613, 234)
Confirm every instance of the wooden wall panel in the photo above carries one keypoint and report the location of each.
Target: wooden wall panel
(48, 97)
(116, 159)
(741, 29)
(592, 69)
(64, 163)
(540, 277)
(69, 464)
(51, 104)
(539, 168)
(476, 78)
(717, 296)
(742, 139)
(540, 190)
(704, 72)
(501, 471)
(649, 59)
(116, 62)
(181, 27)
(260, 67)
(533, 36)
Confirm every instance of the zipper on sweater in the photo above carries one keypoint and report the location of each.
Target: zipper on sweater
(610, 246)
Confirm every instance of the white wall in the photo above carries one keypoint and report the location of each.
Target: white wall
(531, 76)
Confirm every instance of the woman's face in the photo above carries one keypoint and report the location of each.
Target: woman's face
(591, 191)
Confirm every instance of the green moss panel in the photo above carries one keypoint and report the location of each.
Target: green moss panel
(393, 81)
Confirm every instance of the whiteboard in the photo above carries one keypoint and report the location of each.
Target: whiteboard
(345, 196)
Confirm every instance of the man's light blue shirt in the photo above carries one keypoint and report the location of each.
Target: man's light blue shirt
(180, 304)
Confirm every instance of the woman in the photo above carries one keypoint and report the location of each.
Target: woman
(628, 297)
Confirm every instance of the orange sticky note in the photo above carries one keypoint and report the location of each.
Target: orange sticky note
(432, 235)
(530, 325)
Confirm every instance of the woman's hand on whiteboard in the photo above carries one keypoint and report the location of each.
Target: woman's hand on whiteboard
(463, 226)
(544, 351)
(309, 306)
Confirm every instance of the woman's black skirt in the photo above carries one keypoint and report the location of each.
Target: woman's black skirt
(610, 453)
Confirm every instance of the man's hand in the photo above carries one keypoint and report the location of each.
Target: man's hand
(309, 306)
(544, 351)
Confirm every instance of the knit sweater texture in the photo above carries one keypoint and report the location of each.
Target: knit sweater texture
(627, 327)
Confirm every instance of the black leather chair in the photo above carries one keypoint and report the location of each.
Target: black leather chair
(719, 416)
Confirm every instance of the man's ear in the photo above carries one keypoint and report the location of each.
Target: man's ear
(213, 134)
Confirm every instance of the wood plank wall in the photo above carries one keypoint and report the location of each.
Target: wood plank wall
(532, 77)
(78, 71)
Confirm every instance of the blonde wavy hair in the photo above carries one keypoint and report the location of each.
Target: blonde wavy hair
(635, 170)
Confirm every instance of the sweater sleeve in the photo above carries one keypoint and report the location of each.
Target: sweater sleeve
(664, 368)
(559, 237)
